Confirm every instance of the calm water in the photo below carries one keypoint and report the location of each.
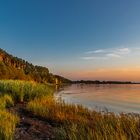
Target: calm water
(114, 98)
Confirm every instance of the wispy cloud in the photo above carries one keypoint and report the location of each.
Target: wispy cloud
(96, 51)
(103, 54)
(137, 48)
(113, 55)
(93, 58)
(123, 51)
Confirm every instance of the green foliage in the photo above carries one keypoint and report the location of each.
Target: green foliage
(13, 91)
(22, 91)
(15, 68)
(9, 72)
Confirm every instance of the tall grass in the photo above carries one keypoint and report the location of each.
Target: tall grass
(8, 121)
(12, 92)
(23, 90)
(74, 122)
(6, 101)
(49, 108)
(79, 123)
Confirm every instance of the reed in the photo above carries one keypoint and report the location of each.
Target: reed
(73, 122)
(22, 91)
(12, 92)
(6, 101)
(8, 123)
(79, 123)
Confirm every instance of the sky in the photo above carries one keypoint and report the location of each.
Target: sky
(78, 39)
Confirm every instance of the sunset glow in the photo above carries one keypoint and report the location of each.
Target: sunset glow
(77, 39)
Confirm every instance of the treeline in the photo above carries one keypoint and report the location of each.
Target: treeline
(16, 68)
(101, 82)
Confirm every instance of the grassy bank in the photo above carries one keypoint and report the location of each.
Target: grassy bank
(22, 91)
(78, 123)
(11, 93)
(72, 122)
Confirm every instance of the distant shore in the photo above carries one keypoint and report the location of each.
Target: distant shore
(103, 82)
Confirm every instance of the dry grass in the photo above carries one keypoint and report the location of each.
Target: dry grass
(8, 124)
(78, 123)
(74, 122)
(6, 101)
(8, 121)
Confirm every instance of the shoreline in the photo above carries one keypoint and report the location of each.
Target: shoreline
(36, 114)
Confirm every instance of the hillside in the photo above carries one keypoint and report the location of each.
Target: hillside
(16, 68)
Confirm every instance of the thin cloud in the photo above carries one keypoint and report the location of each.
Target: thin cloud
(138, 48)
(123, 51)
(103, 54)
(93, 58)
(113, 55)
(96, 51)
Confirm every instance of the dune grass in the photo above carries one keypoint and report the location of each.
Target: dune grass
(79, 123)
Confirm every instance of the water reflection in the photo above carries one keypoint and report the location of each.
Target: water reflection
(116, 98)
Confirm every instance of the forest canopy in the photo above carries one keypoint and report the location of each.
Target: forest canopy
(16, 68)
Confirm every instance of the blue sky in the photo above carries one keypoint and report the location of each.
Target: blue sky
(79, 39)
